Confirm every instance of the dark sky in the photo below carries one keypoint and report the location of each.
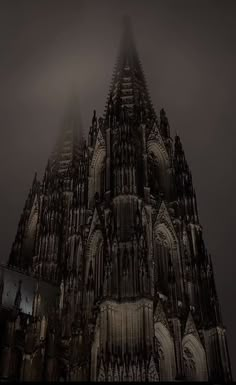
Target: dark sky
(51, 49)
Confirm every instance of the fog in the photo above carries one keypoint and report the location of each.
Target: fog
(52, 49)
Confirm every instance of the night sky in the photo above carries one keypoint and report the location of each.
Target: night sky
(50, 50)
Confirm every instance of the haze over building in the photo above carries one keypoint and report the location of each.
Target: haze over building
(110, 275)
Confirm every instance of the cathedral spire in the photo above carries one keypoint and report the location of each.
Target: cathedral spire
(114, 227)
(128, 89)
(68, 147)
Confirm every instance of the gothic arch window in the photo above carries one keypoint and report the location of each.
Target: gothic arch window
(165, 347)
(79, 253)
(97, 174)
(139, 173)
(164, 252)
(74, 251)
(94, 260)
(194, 357)
(147, 227)
(94, 355)
(158, 162)
(30, 234)
(154, 177)
(102, 182)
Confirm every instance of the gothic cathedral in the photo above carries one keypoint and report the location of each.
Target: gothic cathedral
(109, 278)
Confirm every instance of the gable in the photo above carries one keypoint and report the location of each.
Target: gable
(163, 218)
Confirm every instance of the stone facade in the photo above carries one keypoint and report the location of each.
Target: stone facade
(109, 278)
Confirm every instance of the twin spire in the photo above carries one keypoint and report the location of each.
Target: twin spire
(128, 93)
(69, 145)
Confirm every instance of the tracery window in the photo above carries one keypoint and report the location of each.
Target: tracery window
(165, 349)
(194, 358)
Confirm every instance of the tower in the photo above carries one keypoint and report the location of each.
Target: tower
(109, 277)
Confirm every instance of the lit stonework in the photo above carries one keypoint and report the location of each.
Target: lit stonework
(109, 278)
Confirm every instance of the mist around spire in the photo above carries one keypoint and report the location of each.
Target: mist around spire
(71, 138)
(128, 89)
(128, 37)
(114, 227)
